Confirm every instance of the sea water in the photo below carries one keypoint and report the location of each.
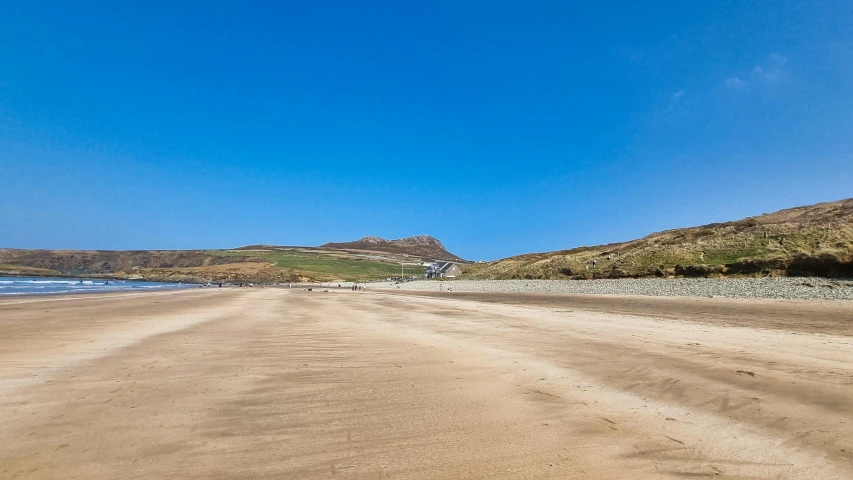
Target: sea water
(44, 286)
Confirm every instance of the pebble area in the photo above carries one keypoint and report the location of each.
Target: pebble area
(770, 287)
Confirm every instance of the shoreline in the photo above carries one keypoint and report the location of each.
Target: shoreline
(8, 286)
(8, 299)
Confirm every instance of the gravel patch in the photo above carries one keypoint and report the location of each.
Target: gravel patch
(770, 287)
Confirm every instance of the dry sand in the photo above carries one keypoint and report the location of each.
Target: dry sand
(278, 383)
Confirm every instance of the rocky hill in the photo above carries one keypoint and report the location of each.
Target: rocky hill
(422, 247)
(812, 240)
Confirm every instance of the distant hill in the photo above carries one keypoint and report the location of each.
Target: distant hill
(368, 259)
(811, 240)
(424, 247)
(166, 265)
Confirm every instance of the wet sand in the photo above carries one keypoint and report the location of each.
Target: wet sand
(279, 383)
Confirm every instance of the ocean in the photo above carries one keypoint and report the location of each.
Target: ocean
(45, 286)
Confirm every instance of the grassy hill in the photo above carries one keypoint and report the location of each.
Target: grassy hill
(257, 263)
(322, 264)
(812, 240)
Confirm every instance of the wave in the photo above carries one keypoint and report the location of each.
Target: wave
(49, 286)
(56, 282)
(52, 282)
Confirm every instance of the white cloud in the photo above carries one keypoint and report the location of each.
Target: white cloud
(735, 83)
(777, 59)
(771, 69)
(678, 94)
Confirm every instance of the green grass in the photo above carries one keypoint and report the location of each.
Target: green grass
(718, 254)
(735, 253)
(329, 266)
(775, 246)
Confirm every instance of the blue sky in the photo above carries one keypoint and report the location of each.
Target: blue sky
(499, 127)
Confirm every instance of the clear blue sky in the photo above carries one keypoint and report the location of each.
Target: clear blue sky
(498, 127)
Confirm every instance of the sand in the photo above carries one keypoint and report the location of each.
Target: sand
(280, 383)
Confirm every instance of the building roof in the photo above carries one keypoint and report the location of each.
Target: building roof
(441, 266)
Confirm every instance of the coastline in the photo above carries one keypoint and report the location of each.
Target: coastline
(29, 285)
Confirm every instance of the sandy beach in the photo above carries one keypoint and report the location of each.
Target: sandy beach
(285, 383)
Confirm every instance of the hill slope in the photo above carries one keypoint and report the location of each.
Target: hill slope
(423, 247)
(810, 240)
(369, 259)
(165, 265)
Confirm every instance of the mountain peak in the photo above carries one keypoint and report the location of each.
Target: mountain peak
(425, 247)
(374, 240)
(420, 240)
(413, 240)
